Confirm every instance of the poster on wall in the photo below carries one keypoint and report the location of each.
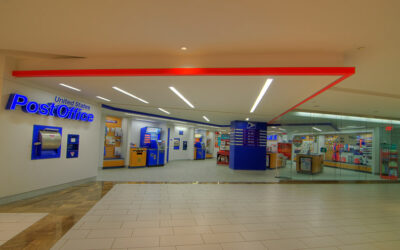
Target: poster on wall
(184, 146)
(177, 142)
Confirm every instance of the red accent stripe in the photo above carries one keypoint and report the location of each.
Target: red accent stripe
(290, 71)
(311, 97)
(344, 72)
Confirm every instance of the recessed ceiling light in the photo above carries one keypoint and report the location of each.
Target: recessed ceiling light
(104, 99)
(247, 119)
(129, 94)
(205, 118)
(181, 96)
(262, 93)
(319, 130)
(183, 48)
(163, 110)
(70, 87)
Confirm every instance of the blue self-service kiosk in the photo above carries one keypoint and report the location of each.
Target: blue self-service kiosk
(200, 149)
(156, 154)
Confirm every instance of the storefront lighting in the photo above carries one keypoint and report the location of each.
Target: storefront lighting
(129, 94)
(104, 99)
(70, 87)
(319, 130)
(163, 110)
(181, 96)
(346, 117)
(262, 93)
(205, 118)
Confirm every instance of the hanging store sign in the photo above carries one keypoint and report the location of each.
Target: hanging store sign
(297, 141)
(50, 109)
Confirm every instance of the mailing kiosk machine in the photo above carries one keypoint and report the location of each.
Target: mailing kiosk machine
(156, 154)
(199, 151)
(46, 142)
(150, 139)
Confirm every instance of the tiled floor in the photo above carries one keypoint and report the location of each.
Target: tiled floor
(209, 171)
(241, 216)
(12, 224)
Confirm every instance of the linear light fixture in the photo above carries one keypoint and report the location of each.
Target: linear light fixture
(70, 87)
(129, 94)
(247, 119)
(347, 118)
(163, 110)
(262, 93)
(315, 128)
(104, 99)
(181, 96)
(205, 118)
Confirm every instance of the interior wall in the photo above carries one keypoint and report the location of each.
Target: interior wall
(19, 173)
(188, 135)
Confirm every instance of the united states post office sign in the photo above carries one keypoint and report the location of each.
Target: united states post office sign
(69, 112)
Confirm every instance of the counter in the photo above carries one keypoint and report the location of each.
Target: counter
(309, 164)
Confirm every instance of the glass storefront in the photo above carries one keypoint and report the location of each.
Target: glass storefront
(334, 147)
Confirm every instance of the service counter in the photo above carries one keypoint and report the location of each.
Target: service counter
(309, 163)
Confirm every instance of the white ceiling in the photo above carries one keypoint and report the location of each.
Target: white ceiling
(225, 33)
(103, 27)
(221, 98)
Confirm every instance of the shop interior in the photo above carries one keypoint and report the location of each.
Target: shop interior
(147, 148)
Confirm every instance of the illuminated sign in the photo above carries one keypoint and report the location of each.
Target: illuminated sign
(50, 109)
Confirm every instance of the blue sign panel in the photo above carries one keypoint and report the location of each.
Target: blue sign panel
(248, 145)
(49, 109)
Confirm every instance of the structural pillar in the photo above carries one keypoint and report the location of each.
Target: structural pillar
(248, 145)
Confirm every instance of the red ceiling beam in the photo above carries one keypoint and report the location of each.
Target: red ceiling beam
(271, 71)
(342, 72)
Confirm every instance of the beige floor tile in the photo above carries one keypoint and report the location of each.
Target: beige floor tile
(110, 233)
(200, 247)
(78, 244)
(387, 245)
(348, 239)
(254, 245)
(321, 241)
(384, 236)
(152, 248)
(228, 228)
(294, 233)
(136, 242)
(324, 231)
(158, 231)
(262, 226)
(118, 218)
(101, 225)
(179, 240)
(211, 222)
(260, 235)
(358, 247)
(358, 229)
(2, 242)
(284, 244)
(192, 230)
(222, 237)
(140, 224)
(177, 223)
